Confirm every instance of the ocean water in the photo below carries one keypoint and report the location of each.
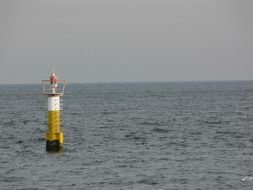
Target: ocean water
(182, 135)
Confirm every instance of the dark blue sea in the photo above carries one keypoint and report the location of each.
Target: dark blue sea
(178, 135)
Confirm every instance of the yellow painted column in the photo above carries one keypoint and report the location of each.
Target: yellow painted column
(54, 134)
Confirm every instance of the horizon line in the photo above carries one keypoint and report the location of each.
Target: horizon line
(127, 82)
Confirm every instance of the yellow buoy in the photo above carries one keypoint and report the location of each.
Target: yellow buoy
(54, 134)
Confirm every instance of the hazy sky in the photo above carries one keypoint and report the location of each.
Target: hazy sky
(126, 40)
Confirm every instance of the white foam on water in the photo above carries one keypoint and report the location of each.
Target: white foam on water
(247, 178)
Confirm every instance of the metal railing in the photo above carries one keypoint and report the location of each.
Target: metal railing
(47, 87)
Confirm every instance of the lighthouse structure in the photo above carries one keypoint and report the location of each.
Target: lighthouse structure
(54, 89)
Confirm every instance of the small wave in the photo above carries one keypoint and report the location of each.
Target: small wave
(147, 123)
(11, 179)
(136, 138)
(139, 138)
(160, 130)
(247, 178)
(148, 182)
(107, 112)
(226, 132)
(20, 142)
(41, 139)
(213, 122)
(9, 123)
(75, 113)
(25, 122)
(130, 135)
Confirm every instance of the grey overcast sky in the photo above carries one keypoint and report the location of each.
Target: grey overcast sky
(126, 40)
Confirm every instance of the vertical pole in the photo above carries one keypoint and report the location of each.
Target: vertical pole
(54, 135)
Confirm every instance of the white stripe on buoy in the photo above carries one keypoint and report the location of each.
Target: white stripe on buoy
(53, 103)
